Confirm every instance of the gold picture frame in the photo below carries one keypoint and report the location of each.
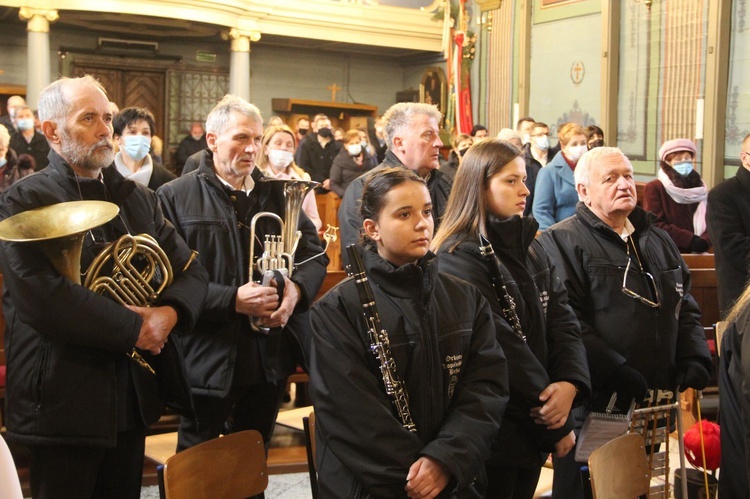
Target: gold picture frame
(433, 88)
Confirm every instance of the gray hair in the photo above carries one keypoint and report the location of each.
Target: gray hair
(398, 117)
(594, 158)
(508, 134)
(4, 136)
(53, 103)
(218, 119)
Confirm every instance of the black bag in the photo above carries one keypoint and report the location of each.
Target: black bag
(696, 488)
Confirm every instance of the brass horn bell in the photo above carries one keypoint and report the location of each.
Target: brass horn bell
(58, 231)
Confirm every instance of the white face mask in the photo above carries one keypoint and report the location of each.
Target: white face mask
(542, 143)
(354, 149)
(574, 153)
(279, 159)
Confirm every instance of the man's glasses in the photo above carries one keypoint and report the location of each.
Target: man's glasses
(633, 294)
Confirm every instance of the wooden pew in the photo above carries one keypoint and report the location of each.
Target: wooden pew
(704, 286)
(328, 209)
(639, 186)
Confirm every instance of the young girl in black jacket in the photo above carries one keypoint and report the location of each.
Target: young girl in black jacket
(442, 347)
(546, 358)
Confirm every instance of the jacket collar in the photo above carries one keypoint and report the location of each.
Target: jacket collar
(514, 235)
(562, 169)
(118, 187)
(206, 171)
(406, 281)
(392, 161)
(641, 220)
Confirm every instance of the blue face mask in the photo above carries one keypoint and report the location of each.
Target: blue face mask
(683, 167)
(137, 146)
(25, 124)
(3, 161)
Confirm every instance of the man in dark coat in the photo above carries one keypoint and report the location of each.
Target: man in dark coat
(728, 221)
(237, 373)
(643, 333)
(27, 140)
(413, 138)
(317, 151)
(73, 395)
(193, 143)
(535, 154)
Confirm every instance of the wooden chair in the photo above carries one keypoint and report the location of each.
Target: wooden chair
(619, 468)
(229, 467)
(309, 426)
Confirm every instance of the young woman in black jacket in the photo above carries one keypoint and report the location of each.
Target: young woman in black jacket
(546, 358)
(441, 346)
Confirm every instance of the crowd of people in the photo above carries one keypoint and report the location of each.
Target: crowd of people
(497, 296)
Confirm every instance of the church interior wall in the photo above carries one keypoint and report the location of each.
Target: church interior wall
(566, 72)
(275, 72)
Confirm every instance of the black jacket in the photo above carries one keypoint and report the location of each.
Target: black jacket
(203, 213)
(188, 146)
(553, 350)
(159, 177)
(38, 148)
(63, 341)
(316, 159)
(728, 221)
(616, 328)
(442, 340)
(350, 220)
(344, 170)
(532, 170)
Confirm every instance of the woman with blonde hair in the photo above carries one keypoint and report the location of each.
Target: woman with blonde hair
(484, 239)
(276, 160)
(555, 195)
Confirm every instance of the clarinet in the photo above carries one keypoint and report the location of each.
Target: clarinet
(379, 344)
(507, 303)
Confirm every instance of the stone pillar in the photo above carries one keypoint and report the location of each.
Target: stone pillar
(38, 73)
(239, 63)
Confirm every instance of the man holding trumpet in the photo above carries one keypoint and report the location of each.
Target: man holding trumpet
(80, 405)
(240, 353)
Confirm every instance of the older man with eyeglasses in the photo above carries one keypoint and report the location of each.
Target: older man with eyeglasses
(630, 289)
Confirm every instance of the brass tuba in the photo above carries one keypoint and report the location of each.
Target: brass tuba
(58, 231)
(278, 250)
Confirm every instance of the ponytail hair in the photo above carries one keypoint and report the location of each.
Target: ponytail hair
(377, 186)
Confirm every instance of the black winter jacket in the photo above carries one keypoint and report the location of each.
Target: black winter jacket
(728, 221)
(344, 170)
(63, 341)
(316, 159)
(204, 215)
(553, 350)
(616, 328)
(442, 339)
